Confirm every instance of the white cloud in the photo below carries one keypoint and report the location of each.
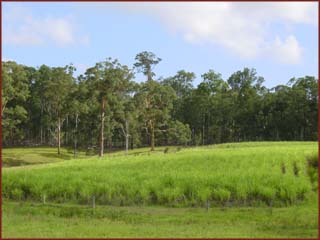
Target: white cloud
(287, 51)
(245, 29)
(22, 27)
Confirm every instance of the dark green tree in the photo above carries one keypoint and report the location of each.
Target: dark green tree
(145, 61)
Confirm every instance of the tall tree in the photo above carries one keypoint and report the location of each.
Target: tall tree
(15, 91)
(110, 79)
(57, 91)
(247, 91)
(155, 102)
(145, 61)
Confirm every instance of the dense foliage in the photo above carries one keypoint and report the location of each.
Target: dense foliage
(106, 108)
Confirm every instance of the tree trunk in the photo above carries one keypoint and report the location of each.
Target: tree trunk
(41, 127)
(59, 133)
(127, 136)
(11, 136)
(103, 105)
(152, 134)
(193, 137)
(149, 76)
(131, 143)
(302, 133)
(202, 134)
(41, 135)
(277, 134)
(75, 137)
(66, 141)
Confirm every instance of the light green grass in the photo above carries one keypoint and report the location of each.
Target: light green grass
(68, 221)
(228, 174)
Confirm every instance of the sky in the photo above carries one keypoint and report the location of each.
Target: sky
(278, 39)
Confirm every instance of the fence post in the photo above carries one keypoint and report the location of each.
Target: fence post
(208, 205)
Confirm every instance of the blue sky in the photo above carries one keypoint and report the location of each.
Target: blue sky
(279, 40)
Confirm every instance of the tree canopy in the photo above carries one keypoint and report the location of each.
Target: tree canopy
(106, 108)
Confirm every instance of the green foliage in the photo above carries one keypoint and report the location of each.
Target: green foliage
(15, 92)
(144, 63)
(179, 133)
(155, 102)
(49, 105)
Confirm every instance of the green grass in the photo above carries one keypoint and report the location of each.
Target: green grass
(18, 156)
(36, 155)
(245, 174)
(65, 220)
(257, 189)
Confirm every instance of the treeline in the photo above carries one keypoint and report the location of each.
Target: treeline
(106, 108)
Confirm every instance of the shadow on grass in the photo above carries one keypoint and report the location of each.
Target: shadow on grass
(47, 158)
(13, 162)
(56, 155)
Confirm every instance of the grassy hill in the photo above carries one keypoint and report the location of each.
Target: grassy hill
(261, 189)
(271, 173)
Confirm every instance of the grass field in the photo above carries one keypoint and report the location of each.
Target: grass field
(59, 220)
(259, 189)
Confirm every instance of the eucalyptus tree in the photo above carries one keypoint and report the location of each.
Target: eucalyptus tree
(41, 111)
(247, 95)
(145, 61)
(109, 80)
(15, 91)
(303, 106)
(181, 83)
(126, 115)
(219, 109)
(57, 91)
(155, 103)
(78, 107)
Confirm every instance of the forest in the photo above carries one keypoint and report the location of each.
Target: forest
(106, 108)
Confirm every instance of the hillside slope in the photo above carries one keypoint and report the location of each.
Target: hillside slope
(272, 173)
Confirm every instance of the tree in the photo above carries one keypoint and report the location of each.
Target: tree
(155, 103)
(145, 61)
(104, 108)
(39, 104)
(181, 83)
(304, 99)
(109, 80)
(127, 121)
(57, 91)
(247, 95)
(15, 91)
(219, 108)
(179, 133)
(78, 105)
